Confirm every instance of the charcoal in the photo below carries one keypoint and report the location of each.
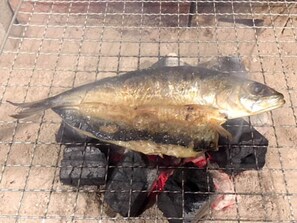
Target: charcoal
(243, 134)
(198, 186)
(83, 166)
(246, 151)
(246, 22)
(128, 187)
(230, 64)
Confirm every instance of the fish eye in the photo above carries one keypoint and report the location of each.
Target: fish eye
(257, 88)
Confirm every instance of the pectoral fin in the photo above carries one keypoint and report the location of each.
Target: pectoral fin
(223, 132)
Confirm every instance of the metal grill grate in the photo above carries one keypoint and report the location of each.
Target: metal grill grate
(52, 46)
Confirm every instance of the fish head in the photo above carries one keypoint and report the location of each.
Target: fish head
(245, 98)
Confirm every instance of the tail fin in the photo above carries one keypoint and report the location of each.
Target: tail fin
(31, 108)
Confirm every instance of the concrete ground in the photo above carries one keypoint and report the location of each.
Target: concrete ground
(56, 52)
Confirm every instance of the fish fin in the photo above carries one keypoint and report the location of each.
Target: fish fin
(160, 155)
(31, 108)
(170, 60)
(222, 131)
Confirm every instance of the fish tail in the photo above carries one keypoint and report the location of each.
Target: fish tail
(31, 108)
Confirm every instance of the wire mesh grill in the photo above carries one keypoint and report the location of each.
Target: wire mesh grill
(52, 46)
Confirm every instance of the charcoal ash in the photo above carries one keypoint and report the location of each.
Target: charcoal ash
(83, 166)
(129, 185)
(198, 186)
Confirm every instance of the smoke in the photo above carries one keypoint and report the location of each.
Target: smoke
(260, 120)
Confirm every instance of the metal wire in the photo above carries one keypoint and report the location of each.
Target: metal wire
(90, 43)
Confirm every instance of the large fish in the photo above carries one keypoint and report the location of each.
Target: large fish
(162, 110)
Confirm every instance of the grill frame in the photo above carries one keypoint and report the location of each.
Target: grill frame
(35, 137)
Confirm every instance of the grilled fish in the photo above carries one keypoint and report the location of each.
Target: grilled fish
(163, 110)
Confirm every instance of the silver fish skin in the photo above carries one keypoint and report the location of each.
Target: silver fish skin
(187, 102)
(230, 95)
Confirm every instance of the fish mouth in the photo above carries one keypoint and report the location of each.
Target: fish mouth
(272, 103)
(277, 101)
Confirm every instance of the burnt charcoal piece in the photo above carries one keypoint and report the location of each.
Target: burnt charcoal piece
(243, 134)
(129, 185)
(246, 22)
(83, 166)
(198, 186)
(246, 151)
(230, 64)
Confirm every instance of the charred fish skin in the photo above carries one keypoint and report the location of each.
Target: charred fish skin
(182, 146)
